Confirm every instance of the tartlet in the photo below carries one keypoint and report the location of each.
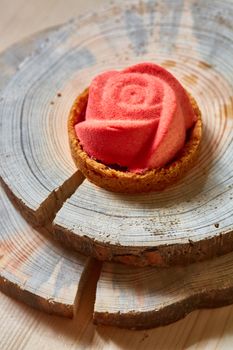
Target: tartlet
(117, 178)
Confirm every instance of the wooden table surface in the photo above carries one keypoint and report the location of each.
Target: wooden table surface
(24, 328)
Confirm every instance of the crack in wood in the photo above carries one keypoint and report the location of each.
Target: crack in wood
(151, 297)
(47, 210)
(33, 269)
(124, 295)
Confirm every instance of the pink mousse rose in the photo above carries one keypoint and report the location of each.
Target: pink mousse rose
(136, 118)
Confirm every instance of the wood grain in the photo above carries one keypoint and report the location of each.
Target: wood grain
(190, 221)
(24, 328)
(34, 269)
(36, 167)
(149, 297)
(34, 170)
(11, 58)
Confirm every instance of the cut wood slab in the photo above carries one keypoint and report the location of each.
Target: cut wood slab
(192, 220)
(11, 58)
(36, 166)
(187, 222)
(140, 298)
(35, 270)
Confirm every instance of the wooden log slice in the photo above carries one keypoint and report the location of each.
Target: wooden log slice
(140, 298)
(187, 222)
(11, 58)
(192, 220)
(34, 269)
(36, 166)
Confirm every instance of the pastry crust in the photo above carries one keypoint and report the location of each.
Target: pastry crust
(125, 181)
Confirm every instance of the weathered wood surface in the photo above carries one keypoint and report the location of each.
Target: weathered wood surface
(149, 297)
(11, 58)
(24, 328)
(36, 166)
(192, 220)
(187, 222)
(36, 270)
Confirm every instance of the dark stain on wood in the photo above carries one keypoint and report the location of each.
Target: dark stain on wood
(169, 64)
(141, 9)
(204, 65)
(190, 79)
(224, 22)
(228, 108)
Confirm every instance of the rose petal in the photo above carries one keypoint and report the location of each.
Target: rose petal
(136, 118)
(95, 110)
(181, 95)
(117, 142)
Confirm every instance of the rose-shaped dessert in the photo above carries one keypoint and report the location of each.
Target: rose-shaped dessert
(136, 119)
